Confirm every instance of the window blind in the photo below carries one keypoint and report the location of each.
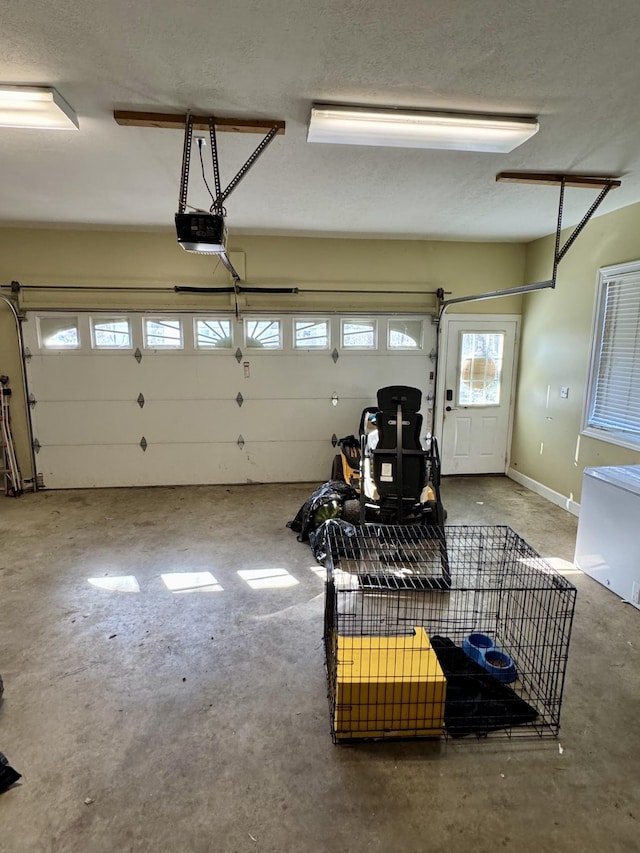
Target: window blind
(616, 397)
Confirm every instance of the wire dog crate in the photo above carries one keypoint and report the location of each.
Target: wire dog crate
(453, 631)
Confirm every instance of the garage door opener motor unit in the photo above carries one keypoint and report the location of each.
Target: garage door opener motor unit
(205, 233)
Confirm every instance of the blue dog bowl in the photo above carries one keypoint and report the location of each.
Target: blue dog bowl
(482, 649)
(500, 666)
(476, 645)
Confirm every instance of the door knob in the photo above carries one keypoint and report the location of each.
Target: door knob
(450, 409)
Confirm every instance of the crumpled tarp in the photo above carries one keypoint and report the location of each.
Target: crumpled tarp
(8, 776)
(325, 503)
(345, 544)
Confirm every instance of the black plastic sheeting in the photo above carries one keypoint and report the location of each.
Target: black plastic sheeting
(8, 776)
(324, 546)
(324, 504)
(476, 703)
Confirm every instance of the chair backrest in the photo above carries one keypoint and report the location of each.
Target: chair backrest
(387, 421)
(399, 467)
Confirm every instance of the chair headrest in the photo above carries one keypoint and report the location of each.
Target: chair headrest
(409, 398)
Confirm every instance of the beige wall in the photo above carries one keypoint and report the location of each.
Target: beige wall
(555, 349)
(144, 260)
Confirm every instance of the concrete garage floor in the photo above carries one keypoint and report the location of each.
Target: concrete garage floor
(198, 722)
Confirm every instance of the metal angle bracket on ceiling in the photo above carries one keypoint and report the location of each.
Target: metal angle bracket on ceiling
(217, 200)
(190, 122)
(221, 195)
(604, 183)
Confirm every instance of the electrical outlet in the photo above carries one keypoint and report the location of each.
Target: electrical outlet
(564, 392)
(635, 593)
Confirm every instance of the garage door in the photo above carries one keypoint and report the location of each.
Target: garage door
(140, 399)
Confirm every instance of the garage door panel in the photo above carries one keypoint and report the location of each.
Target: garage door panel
(391, 370)
(92, 466)
(84, 377)
(351, 376)
(278, 375)
(270, 420)
(89, 422)
(185, 377)
(177, 421)
(287, 420)
(197, 463)
(296, 461)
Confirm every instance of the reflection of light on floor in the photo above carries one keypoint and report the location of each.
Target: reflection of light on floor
(267, 578)
(124, 583)
(320, 571)
(563, 567)
(191, 582)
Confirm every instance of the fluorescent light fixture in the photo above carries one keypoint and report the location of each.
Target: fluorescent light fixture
(387, 127)
(35, 107)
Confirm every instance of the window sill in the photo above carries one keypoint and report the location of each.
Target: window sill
(611, 437)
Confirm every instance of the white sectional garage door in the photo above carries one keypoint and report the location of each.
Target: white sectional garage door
(167, 399)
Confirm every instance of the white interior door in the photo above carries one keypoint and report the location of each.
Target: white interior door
(475, 393)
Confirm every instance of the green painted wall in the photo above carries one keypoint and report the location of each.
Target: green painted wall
(555, 350)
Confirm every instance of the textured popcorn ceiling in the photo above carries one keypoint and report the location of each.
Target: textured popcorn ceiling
(574, 64)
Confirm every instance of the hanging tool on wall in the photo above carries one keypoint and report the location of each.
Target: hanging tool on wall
(12, 475)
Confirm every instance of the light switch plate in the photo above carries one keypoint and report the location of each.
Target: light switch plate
(564, 392)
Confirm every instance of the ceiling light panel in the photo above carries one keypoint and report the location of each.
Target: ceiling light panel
(349, 125)
(35, 107)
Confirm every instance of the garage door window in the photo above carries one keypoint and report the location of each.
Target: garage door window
(612, 411)
(359, 334)
(311, 334)
(160, 333)
(404, 334)
(263, 334)
(111, 333)
(59, 333)
(213, 334)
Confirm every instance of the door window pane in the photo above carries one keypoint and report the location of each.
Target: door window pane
(213, 334)
(359, 334)
(480, 368)
(263, 334)
(311, 334)
(111, 333)
(59, 332)
(162, 334)
(404, 334)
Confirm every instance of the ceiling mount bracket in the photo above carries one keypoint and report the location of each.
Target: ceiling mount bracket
(217, 205)
(604, 183)
(217, 212)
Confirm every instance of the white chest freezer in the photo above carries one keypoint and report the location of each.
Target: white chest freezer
(608, 542)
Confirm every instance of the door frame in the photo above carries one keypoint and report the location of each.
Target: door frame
(443, 341)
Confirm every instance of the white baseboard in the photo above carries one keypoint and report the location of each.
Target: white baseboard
(544, 491)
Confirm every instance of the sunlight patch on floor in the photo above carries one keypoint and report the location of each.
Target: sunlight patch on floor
(267, 578)
(123, 583)
(558, 564)
(179, 582)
